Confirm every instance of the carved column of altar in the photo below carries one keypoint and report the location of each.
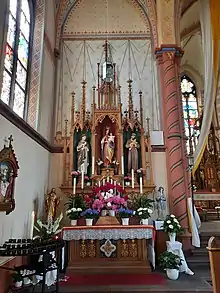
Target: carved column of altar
(178, 180)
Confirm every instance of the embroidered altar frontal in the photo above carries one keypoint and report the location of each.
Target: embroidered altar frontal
(115, 249)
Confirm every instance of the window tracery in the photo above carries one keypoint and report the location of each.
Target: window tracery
(190, 113)
(17, 53)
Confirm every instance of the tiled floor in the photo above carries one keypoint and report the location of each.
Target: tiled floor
(197, 283)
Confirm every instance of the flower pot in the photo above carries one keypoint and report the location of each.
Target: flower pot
(89, 222)
(73, 222)
(127, 183)
(111, 213)
(172, 237)
(172, 274)
(125, 221)
(18, 284)
(144, 221)
(103, 213)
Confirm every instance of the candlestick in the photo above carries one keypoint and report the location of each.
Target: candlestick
(82, 180)
(108, 179)
(132, 178)
(74, 185)
(93, 165)
(122, 165)
(32, 225)
(141, 185)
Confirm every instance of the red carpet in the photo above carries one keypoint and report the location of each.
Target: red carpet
(120, 279)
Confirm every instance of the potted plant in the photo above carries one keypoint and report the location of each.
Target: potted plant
(125, 214)
(171, 263)
(17, 280)
(50, 229)
(89, 215)
(144, 214)
(74, 214)
(127, 180)
(172, 227)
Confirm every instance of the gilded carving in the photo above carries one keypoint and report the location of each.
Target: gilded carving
(124, 248)
(133, 248)
(83, 249)
(91, 249)
(108, 248)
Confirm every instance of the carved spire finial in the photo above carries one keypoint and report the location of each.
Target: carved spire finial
(73, 107)
(130, 101)
(83, 105)
(10, 140)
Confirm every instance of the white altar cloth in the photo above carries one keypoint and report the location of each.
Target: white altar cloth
(115, 232)
(176, 248)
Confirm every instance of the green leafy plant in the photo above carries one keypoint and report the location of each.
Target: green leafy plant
(17, 277)
(172, 225)
(50, 229)
(144, 213)
(76, 201)
(169, 260)
(142, 201)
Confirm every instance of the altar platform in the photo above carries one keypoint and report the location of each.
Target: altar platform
(110, 249)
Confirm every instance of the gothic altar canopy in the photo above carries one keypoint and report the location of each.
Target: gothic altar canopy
(107, 144)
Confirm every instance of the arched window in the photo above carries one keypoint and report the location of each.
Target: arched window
(190, 112)
(15, 74)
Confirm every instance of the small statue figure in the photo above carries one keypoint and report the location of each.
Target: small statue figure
(83, 155)
(132, 146)
(202, 177)
(108, 147)
(161, 203)
(6, 183)
(51, 203)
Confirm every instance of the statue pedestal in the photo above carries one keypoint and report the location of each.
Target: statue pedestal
(107, 172)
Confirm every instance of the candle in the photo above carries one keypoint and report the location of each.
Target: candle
(114, 182)
(99, 183)
(132, 178)
(82, 180)
(74, 185)
(93, 165)
(108, 179)
(111, 181)
(32, 225)
(122, 165)
(141, 185)
(103, 182)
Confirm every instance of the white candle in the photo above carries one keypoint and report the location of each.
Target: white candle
(141, 185)
(93, 165)
(108, 179)
(111, 181)
(99, 183)
(132, 178)
(74, 185)
(32, 225)
(103, 182)
(82, 180)
(114, 182)
(122, 165)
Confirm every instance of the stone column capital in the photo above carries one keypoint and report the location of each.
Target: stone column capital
(168, 53)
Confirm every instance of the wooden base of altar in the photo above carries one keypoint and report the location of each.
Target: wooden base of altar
(92, 256)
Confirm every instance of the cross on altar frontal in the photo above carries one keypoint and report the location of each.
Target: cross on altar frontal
(107, 144)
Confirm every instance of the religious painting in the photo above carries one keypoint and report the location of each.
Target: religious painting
(8, 173)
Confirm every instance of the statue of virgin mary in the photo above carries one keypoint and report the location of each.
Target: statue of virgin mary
(83, 155)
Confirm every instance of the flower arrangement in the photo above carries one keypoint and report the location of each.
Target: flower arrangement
(171, 225)
(125, 213)
(144, 213)
(74, 213)
(77, 201)
(49, 229)
(169, 260)
(127, 179)
(99, 162)
(90, 214)
(75, 173)
(142, 201)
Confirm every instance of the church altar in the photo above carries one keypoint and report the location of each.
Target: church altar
(110, 249)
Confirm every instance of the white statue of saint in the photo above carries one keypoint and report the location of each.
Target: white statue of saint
(83, 155)
(161, 203)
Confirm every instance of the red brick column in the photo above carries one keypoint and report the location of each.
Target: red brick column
(177, 165)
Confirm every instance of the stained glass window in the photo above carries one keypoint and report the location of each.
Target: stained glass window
(15, 75)
(190, 112)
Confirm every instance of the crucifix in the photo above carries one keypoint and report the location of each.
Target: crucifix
(10, 140)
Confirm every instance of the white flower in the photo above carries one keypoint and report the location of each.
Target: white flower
(168, 222)
(140, 209)
(140, 213)
(171, 226)
(109, 204)
(134, 212)
(179, 226)
(145, 209)
(150, 211)
(176, 221)
(172, 216)
(79, 210)
(73, 209)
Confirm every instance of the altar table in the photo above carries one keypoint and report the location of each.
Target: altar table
(110, 249)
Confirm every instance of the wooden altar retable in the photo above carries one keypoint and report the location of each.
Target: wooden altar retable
(105, 249)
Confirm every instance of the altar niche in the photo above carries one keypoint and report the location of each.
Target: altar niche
(107, 142)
